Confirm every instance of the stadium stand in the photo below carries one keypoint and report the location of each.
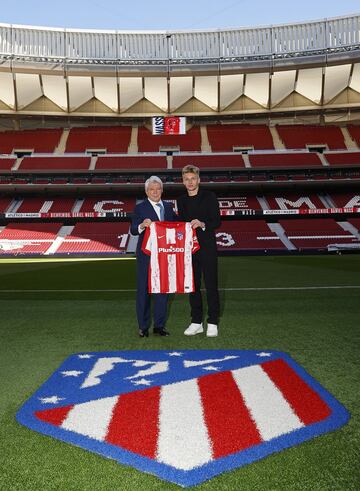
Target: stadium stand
(346, 200)
(133, 162)
(4, 204)
(354, 133)
(300, 136)
(101, 204)
(355, 222)
(315, 233)
(6, 164)
(93, 238)
(46, 205)
(288, 201)
(39, 140)
(112, 139)
(190, 142)
(247, 235)
(55, 163)
(241, 202)
(224, 138)
(343, 158)
(285, 160)
(28, 238)
(209, 161)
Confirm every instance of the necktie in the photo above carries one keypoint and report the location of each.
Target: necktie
(161, 211)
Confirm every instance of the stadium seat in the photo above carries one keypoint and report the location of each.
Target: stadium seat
(224, 138)
(300, 136)
(39, 140)
(112, 139)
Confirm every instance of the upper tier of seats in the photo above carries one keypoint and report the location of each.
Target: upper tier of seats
(214, 138)
(223, 138)
(355, 133)
(6, 164)
(300, 136)
(113, 139)
(39, 141)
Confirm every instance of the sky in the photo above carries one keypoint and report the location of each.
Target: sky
(135, 15)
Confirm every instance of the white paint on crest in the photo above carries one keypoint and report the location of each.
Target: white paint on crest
(105, 365)
(197, 363)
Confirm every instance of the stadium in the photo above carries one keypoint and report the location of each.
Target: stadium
(271, 116)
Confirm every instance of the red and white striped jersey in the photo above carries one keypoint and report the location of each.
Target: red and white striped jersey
(170, 246)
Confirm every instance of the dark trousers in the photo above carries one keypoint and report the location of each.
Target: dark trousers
(143, 299)
(205, 264)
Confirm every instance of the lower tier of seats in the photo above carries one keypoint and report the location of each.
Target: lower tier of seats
(250, 235)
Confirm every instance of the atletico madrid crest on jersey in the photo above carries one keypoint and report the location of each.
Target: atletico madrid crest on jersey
(184, 416)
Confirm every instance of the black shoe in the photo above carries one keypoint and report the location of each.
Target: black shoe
(161, 331)
(144, 333)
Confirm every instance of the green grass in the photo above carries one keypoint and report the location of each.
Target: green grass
(319, 328)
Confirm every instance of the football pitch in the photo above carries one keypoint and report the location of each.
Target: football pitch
(307, 306)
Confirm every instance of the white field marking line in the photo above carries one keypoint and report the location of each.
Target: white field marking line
(63, 259)
(125, 290)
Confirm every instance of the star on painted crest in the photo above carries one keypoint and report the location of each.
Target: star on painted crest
(71, 373)
(51, 399)
(142, 381)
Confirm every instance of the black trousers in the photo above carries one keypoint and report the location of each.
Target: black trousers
(205, 264)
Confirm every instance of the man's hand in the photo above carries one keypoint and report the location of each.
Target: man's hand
(196, 223)
(145, 223)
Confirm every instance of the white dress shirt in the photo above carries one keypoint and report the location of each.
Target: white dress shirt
(157, 211)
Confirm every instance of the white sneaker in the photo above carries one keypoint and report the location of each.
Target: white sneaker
(212, 330)
(194, 329)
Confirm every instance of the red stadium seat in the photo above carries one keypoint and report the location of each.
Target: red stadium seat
(39, 141)
(299, 136)
(113, 139)
(223, 138)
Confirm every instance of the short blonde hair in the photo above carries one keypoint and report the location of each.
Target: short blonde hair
(191, 169)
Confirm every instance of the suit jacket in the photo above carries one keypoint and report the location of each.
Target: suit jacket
(206, 209)
(146, 210)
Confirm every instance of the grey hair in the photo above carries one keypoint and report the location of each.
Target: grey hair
(153, 179)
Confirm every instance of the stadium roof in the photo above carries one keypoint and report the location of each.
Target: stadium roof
(295, 67)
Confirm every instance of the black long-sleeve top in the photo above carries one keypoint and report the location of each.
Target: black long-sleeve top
(205, 207)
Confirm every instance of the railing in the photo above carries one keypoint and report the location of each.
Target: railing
(39, 43)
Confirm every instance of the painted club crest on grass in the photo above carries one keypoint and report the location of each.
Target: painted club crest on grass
(184, 416)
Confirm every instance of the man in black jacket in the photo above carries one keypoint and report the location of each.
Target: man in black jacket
(201, 209)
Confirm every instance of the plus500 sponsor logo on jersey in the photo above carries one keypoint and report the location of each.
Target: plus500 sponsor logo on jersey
(171, 249)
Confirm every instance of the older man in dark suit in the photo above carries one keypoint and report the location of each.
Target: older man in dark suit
(150, 210)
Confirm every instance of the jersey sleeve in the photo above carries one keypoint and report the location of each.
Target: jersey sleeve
(146, 245)
(195, 242)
